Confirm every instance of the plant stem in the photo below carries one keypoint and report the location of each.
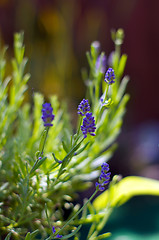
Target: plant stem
(80, 210)
(106, 93)
(47, 130)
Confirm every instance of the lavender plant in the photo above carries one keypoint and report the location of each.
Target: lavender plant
(44, 163)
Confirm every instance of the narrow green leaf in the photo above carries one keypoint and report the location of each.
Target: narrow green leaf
(8, 236)
(37, 164)
(115, 62)
(122, 87)
(121, 66)
(47, 217)
(65, 147)
(43, 139)
(23, 65)
(73, 233)
(65, 161)
(91, 230)
(33, 234)
(56, 160)
(91, 208)
(82, 149)
(93, 52)
(102, 236)
(29, 217)
(37, 154)
(53, 166)
(89, 60)
(28, 236)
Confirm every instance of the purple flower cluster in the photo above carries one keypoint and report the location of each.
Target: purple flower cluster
(47, 115)
(83, 107)
(104, 177)
(88, 126)
(110, 76)
(54, 231)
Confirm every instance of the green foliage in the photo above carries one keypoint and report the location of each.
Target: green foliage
(41, 170)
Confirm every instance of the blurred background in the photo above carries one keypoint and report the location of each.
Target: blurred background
(57, 35)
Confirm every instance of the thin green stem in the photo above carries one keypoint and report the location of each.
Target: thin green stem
(91, 93)
(117, 49)
(101, 107)
(106, 92)
(79, 126)
(80, 210)
(97, 90)
(47, 130)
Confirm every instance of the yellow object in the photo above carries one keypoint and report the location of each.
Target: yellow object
(127, 188)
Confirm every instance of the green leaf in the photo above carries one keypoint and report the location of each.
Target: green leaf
(66, 159)
(8, 236)
(127, 188)
(73, 233)
(122, 88)
(37, 164)
(65, 147)
(28, 236)
(92, 229)
(102, 236)
(47, 217)
(33, 234)
(82, 149)
(121, 66)
(89, 60)
(56, 160)
(115, 62)
(43, 139)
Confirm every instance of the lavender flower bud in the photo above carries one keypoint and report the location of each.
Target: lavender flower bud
(47, 115)
(58, 236)
(96, 46)
(104, 177)
(88, 126)
(54, 231)
(110, 76)
(83, 107)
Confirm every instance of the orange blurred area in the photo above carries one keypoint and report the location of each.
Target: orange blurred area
(3, 2)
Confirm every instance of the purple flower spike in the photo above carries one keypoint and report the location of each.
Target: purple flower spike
(110, 76)
(47, 115)
(53, 230)
(83, 107)
(88, 126)
(104, 177)
(58, 236)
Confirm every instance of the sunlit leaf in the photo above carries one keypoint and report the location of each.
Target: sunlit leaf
(127, 188)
